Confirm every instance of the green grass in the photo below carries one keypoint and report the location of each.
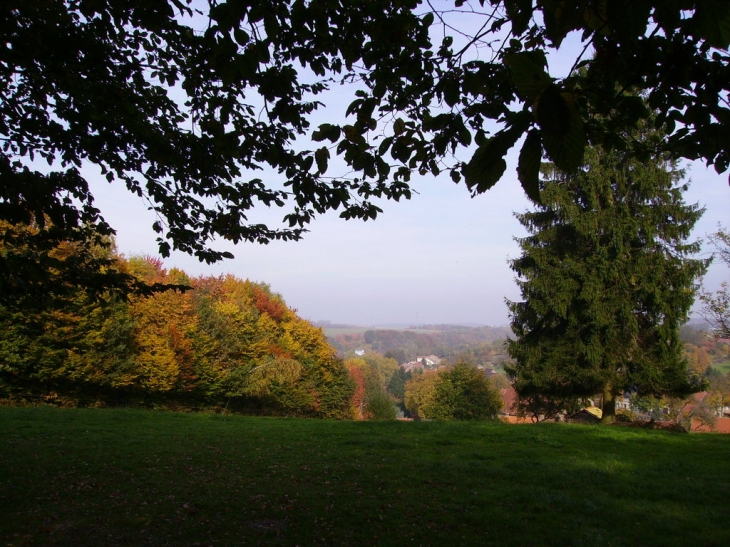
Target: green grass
(122, 477)
(723, 367)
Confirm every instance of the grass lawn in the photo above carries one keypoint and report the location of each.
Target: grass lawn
(123, 477)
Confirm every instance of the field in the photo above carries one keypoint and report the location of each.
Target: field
(723, 367)
(125, 477)
(335, 331)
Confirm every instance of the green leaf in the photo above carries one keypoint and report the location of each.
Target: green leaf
(328, 132)
(351, 133)
(464, 136)
(711, 21)
(487, 165)
(322, 156)
(451, 91)
(528, 73)
(399, 126)
(562, 129)
(528, 167)
(383, 168)
(383, 148)
(241, 36)
(519, 13)
(560, 18)
(627, 19)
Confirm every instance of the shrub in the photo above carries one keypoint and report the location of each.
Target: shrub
(379, 406)
(464, 393)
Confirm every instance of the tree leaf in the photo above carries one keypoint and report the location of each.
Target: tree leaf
(711, 21)
(485, 168)
(519, 13)
(562, 128)
(487, 165)
(326, 131)
(322, 156)
(528, 73)
(528, 167)
(399, 126)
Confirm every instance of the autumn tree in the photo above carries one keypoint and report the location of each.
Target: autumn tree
(420, 394)
(355, 368)
(716, 306)
(183, 102)
(459, 392)
(371, 374)
(225, 342)
(63, 342)
(606, 282)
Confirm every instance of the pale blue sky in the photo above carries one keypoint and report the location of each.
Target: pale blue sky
(439, 258)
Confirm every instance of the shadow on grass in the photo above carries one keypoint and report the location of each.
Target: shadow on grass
(85, 477)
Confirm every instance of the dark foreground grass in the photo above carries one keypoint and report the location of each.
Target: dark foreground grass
(110, 477)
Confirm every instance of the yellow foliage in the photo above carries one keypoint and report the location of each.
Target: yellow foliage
(420, 396)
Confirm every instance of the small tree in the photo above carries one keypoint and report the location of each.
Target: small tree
(420, 394)
(379, 406)
(716, 306)
(464, 393)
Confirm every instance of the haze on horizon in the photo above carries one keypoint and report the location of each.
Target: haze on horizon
(440, 258)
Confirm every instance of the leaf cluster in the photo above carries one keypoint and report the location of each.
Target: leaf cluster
(182, 103)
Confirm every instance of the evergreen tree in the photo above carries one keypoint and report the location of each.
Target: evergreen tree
(606, 282)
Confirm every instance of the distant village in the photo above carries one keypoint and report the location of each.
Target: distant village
(694, 410)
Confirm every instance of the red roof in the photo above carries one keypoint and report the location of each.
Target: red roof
(509, 396)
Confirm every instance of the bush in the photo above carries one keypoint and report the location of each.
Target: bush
(464, 393)
(379, 406)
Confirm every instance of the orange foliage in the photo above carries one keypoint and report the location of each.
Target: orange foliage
(279, 352)
(267, 304)
(358, 396)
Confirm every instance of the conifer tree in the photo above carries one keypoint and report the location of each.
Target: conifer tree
(606, 282)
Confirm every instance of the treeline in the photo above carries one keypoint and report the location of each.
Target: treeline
(225, 343)
(384, 390)
(477, 344)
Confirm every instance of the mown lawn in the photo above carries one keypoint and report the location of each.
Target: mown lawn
(123, 477)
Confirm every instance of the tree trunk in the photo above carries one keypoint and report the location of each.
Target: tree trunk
(609, 405)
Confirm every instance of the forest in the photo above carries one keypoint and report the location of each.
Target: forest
(481, 344)
(218, 343)
(182, 104)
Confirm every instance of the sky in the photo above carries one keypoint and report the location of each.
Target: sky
(441, 257)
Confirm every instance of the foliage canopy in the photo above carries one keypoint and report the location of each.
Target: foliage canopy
(228, 343)
(183, 102)
(459, 392)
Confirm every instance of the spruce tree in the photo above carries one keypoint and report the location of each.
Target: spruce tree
(606, 282)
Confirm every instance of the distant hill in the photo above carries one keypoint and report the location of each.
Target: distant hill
(482, 344)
